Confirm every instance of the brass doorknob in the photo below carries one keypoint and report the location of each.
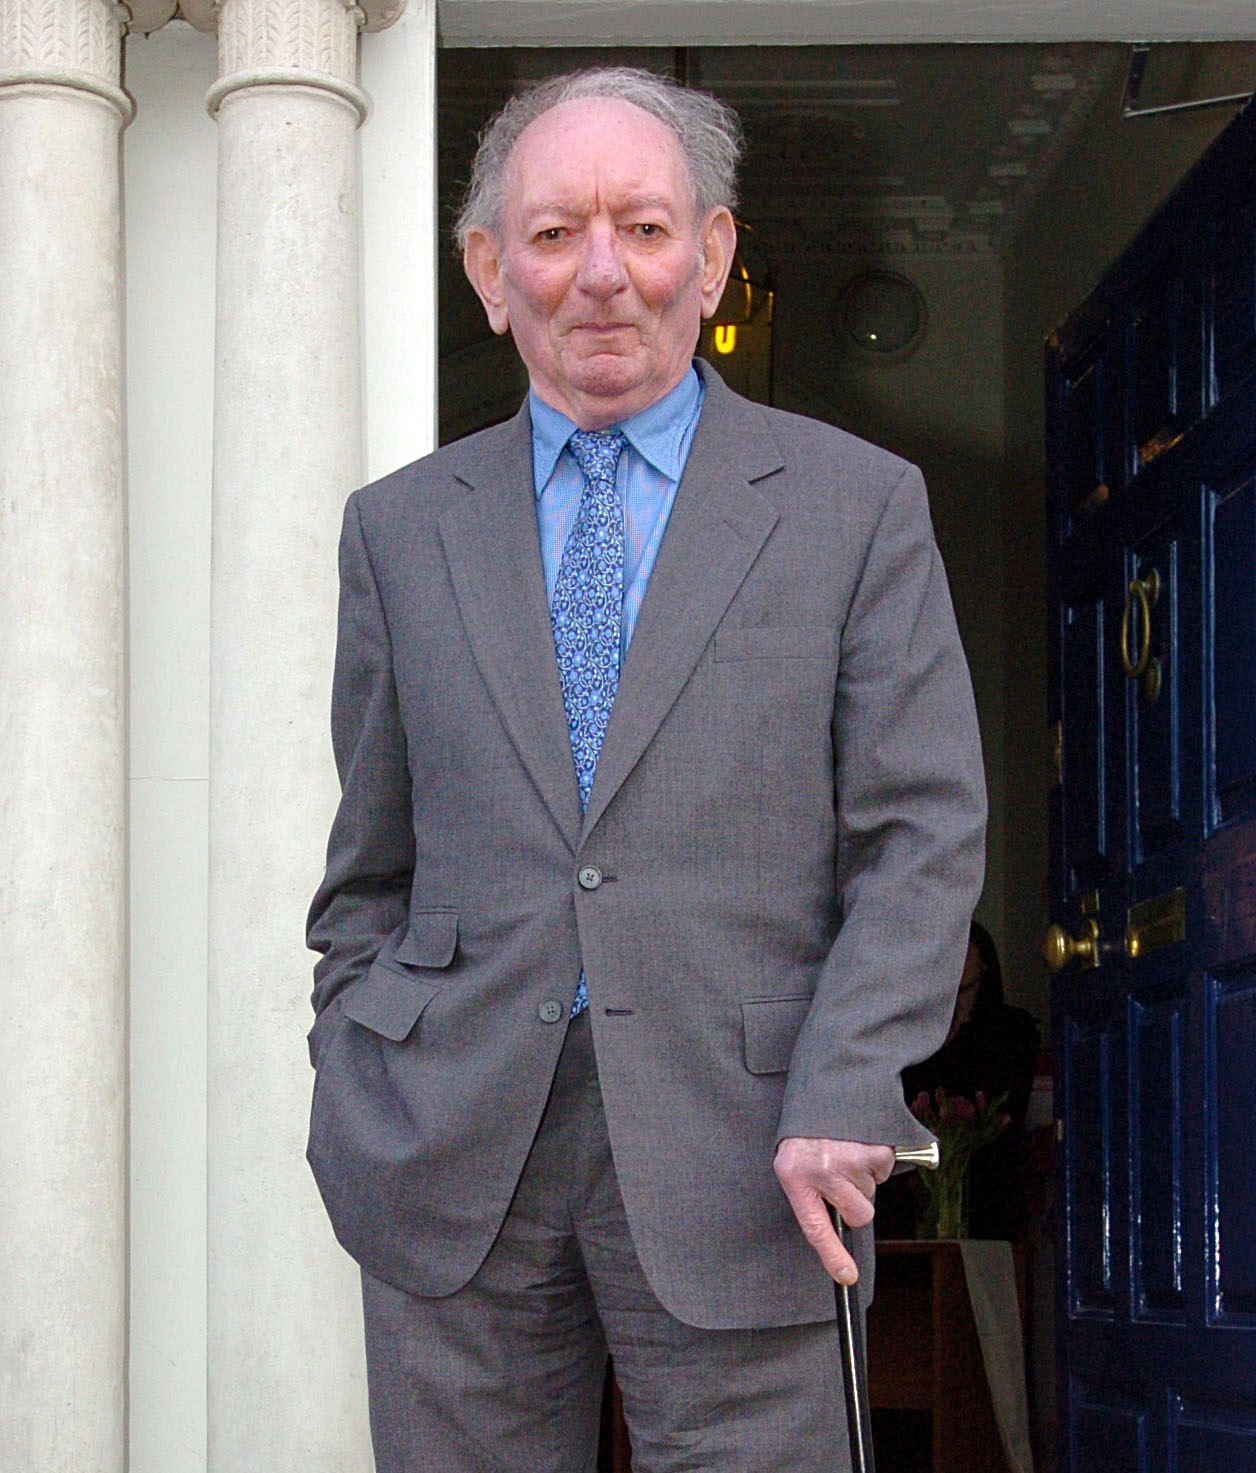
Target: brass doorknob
(1059, 948)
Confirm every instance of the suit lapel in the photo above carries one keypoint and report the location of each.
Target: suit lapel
(491, 546)
(718, 525)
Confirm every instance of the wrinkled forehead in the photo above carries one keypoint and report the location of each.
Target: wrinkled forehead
(592, 143)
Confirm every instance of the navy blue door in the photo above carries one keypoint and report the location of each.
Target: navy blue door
(1152, 454)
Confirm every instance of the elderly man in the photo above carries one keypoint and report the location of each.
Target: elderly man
(661, 828)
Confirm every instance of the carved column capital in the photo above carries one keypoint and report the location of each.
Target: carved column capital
(65, 43)
(289, 43)
(371, 15)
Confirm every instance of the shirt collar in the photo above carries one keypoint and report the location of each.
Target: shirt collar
(656, 433)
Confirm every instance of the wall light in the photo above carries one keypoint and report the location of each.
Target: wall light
(881, 315)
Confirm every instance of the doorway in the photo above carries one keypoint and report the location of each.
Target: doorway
(1037, 183)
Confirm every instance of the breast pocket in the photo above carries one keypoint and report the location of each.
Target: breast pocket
(775, 642)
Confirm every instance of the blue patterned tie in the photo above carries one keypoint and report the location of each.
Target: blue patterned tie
(587, 612)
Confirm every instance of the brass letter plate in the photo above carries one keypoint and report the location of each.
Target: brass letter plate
(1156, 923)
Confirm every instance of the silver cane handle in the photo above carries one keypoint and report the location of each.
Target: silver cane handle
(927, 1156)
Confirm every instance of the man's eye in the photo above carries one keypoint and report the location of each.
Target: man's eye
(648, 230)
(551, 233)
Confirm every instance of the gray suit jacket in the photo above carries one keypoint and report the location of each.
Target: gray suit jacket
(787, 819)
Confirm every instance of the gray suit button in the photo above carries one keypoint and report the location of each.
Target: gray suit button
(550, 1011)
(590, 877)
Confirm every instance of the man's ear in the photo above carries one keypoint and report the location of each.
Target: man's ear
(719, 244)
(482, 263)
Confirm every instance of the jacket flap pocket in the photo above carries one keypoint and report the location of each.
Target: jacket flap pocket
(431, 940)
(771, 1025)
(787, 642)
(389, 1002)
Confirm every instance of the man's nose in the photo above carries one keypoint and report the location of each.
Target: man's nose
(601, 264)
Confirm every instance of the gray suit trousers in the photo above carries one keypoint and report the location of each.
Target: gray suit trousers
(505, 1374)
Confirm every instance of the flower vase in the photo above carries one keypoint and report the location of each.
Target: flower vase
(962, 1127)
(945, 1212)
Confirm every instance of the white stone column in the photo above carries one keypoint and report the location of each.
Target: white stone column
(62, 748)
(286, 1374)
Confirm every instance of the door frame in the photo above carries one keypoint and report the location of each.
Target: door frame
(832, 22)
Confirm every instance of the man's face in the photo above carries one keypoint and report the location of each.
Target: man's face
(601, 272)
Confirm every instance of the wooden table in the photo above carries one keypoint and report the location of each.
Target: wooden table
(924, 1355)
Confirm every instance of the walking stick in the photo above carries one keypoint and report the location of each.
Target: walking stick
(850, 1334)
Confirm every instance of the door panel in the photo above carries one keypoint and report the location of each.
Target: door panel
(1233, 547)
(1084, 658)
(1111, 1431)
(1090, 456)
(1090, 1054)
(1157, 1058)
(1166, 370)
(1231, 1111)
(1212, 1439)
(1233, 282)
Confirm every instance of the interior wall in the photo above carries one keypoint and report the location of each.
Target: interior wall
(943, 409)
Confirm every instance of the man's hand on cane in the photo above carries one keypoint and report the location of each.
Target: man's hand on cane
(816, 1174)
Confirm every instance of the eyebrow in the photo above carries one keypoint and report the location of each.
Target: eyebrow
(632, 203)
(649, 202)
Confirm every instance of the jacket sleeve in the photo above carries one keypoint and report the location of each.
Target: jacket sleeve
(370, 855)
(911, 810)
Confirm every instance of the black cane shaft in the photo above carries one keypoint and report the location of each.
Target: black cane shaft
(850, 1331)
(854, 1367)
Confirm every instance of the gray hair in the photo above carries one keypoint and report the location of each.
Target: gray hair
(708, 131)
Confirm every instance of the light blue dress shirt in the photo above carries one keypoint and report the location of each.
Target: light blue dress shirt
(650, 468)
